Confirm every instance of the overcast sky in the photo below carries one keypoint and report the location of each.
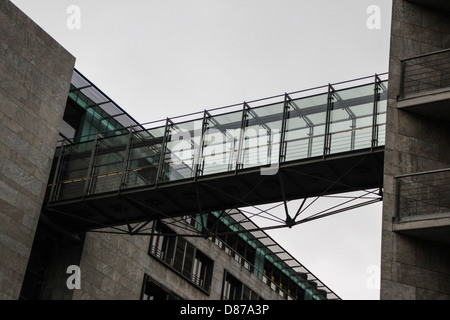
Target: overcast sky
(159, 59)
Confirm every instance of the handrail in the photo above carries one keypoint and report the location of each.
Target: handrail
(425, 55)
(141, 126)
(421, 173)
(433, 74)
(423, 194)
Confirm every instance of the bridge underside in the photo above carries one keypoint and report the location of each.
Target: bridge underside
(339, 173)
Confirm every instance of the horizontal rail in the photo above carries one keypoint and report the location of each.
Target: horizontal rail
(426, 54)
(422, 194)
(141, 126)
(424, 72)
(422, 173)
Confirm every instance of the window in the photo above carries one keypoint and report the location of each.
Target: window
(153, 290)
(202, 270)
(181, 256)
(233, 289)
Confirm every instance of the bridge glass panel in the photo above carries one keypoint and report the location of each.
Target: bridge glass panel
(107, 170)
(351, 119)
(381, 114)
(305, 127)
(221, 143)
(261, 142)
(182, 145)
(74, 170)
(144, 158)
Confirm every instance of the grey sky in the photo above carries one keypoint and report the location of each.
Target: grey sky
(158, 59)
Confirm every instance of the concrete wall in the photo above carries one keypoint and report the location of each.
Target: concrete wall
(413, 268)
(113, 267)
(35, 73)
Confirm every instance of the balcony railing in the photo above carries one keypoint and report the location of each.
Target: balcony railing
(423, 195)
(424, 73)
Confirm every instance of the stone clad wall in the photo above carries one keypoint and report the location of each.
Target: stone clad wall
(413, 268)
(113, 266)
(35, 74)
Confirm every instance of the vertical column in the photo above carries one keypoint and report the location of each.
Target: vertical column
(199, 156)
(90, 172)
(327, 138)
(126, 160)
(402, 79)
(57, 174)
(163, 151)
(282, 153)
(376, 98)
(397, 198)
(239, 162)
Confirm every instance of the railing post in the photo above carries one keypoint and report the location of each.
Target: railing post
(397, 199)
(199, 155)
(90, 172)
(283, 146)
(376, 98)
(327, 138)
(163, 151)
(57, 173)
(126, 160)
(239, 163)
(402, 79)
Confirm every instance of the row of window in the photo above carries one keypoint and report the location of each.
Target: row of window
(254, 259)
(232, 289)
(192, 264)
(181, 256)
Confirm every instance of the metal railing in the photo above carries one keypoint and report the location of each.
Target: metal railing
(290, 127)
(422, 194)
(426, 72)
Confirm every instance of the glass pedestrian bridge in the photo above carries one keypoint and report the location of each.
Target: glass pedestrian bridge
(324, 140)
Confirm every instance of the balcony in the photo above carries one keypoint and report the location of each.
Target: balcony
(423, 205)
(425, 85)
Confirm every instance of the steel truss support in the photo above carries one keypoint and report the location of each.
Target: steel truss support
(272, 214)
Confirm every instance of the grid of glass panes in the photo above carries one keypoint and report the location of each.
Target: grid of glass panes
(222, 143)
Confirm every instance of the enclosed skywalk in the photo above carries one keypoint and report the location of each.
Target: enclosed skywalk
(314, 142)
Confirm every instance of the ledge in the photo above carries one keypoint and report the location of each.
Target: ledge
(433, 103)
(435, 227)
